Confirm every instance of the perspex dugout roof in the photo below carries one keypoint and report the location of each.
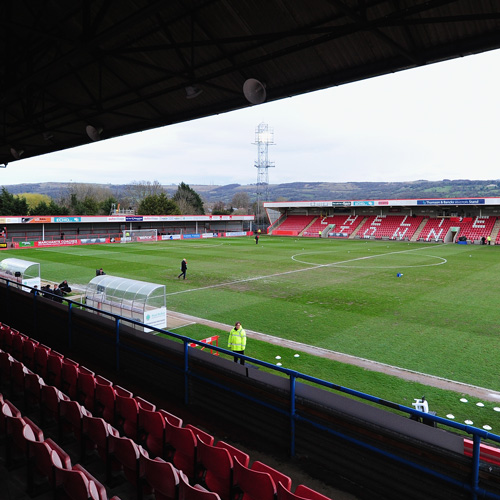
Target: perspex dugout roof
(126, 293)
(27, 268)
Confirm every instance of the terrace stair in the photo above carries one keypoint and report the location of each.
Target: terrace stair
(308, 226)
(495, 231)
(416, 234)
(359, 226)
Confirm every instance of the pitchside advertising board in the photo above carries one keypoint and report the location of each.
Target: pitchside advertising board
(155, 317)
(91, 241)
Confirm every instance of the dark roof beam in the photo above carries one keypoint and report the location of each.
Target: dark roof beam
(76, 74)
(91, 44)
(362, 21)
(134, 90)
(406, 33)
(466, 18)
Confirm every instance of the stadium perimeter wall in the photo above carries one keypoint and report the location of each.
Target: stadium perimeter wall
(347, 443)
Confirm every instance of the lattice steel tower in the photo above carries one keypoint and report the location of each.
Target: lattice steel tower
(264, 137)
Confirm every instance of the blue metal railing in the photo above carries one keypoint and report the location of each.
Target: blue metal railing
(293, 376)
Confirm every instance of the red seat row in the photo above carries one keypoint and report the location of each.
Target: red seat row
(127, 431)
(46, 460)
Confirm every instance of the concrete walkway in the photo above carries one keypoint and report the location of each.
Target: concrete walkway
(176, 320)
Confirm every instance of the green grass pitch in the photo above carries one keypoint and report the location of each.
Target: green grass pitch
(440, 317)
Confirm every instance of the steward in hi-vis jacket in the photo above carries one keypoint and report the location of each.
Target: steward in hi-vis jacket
(237, 341)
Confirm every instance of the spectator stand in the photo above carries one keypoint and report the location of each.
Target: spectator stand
(138, 300)
(23, 272)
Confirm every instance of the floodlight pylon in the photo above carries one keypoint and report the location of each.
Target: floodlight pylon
(264, 137)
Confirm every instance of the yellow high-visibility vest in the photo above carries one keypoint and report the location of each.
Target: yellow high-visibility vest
(237, 339)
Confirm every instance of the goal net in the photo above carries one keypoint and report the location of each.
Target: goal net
(130, 235)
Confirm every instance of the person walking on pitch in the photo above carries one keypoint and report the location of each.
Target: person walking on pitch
(184, 267)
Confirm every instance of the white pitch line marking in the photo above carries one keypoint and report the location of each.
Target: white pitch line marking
(274, 275)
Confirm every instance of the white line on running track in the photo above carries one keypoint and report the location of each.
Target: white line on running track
(318, 266)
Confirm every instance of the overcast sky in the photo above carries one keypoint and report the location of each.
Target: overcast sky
(436, 122)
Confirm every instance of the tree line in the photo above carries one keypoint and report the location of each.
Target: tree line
(142, 198)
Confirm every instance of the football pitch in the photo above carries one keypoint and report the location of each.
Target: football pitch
(440, 317)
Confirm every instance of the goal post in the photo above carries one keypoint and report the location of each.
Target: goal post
(140, 235)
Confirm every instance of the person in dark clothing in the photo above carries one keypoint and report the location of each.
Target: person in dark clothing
(184, 267)
(64, 287)
(99, 272)
(57, 294)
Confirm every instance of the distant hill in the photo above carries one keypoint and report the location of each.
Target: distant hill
(305, 191)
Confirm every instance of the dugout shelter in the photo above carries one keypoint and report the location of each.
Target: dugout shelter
(138, 300)
(23, 272)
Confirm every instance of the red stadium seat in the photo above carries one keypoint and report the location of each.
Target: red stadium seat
(101, 490)
(207, 438)
(54, 369)
(254, 485)
(69, 378)
(86, 388)
(71, 418)
(152, 431)
(77, 484)
(41, 359)
(159, 475)
(170, 421)
(123, 392)
(32, 390)
(197, 492)
(124, 456)
(145, 405)
(104, 400)
(278, 477)
(16, 444)
(126, 413)
(29, 353)
(7, 410)
(50, 403)
(4, 331)
(216, 470)
(17, 346)
(8, 339)
(183, 441)
(171, 418)
(96, 431)
(5, 368)
(41, 462)
(242, 457)
(301, 493)
(17, 378)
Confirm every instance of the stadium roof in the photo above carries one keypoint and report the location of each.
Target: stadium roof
(320, 204)
(131, 65)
